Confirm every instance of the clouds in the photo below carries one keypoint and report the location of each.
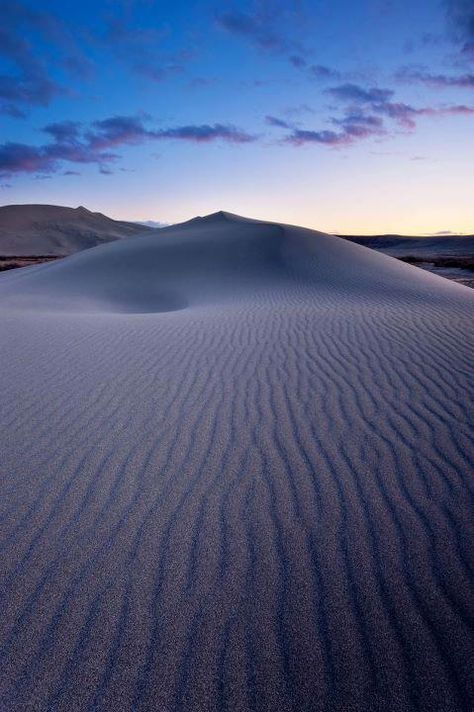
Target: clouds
(404, 114)
(118, 130)
(43, 55)
(97, 143)
(360, 95)
(375, 100)
(317, 72)
(355, 125)
(65, 131)
(352, 128)
(381, 102)
(360, 119)
(300, 137)
(270, 28)
(131, 130)
(297, 61)
(253, 28)
(206, 133)
(366, 112)
(276, 28)
(323, 73)
(259, 29)
(461, 18)
(378, 101)
(125, 51)
(31, 87)
(20, 158)
(141, 48)
(278, 123)
(13, 111)
(420, 75)
(460, 15)
(457, 110)
(25, 79)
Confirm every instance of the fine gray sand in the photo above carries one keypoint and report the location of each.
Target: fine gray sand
(236, 474)
(29, 230)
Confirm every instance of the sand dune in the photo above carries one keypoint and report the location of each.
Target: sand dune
(236, 475)
(54, 230)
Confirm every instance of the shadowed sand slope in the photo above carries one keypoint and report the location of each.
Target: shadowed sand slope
(236, 474)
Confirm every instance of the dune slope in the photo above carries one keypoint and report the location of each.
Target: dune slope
(236, 475)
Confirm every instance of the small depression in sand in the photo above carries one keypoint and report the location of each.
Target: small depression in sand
(146, 302)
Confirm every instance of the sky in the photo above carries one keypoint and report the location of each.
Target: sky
(344, 116)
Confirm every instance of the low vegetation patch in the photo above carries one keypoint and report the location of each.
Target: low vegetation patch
(15, 261)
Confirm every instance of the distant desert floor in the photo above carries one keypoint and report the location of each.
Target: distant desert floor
(460, 269)
(236, 474)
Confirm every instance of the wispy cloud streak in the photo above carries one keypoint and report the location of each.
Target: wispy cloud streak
(413, 75)
(97, 143)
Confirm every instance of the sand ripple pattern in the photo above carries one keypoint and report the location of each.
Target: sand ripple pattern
(258, 504)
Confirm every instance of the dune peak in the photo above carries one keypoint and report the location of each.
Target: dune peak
(218, 216)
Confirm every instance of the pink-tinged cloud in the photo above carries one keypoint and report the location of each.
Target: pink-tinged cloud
(354, 126)
(403, 114)
(359, 125)
(94, 145)
(20, 158)
(458, 110)
(413, 75)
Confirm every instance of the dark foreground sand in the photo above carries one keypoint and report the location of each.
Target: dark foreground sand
(236, 474)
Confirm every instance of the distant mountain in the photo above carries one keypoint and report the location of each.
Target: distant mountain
(54, 230)
(152, 223)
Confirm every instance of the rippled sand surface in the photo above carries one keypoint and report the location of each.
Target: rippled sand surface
(236, 474)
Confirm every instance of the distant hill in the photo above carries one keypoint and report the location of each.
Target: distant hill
(41, 230)
(402, 245)
(450, 256)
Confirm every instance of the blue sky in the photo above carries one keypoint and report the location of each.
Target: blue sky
(343, 116)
